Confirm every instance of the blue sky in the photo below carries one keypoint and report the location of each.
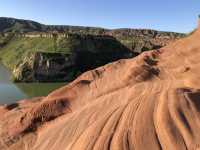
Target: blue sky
(166, 15)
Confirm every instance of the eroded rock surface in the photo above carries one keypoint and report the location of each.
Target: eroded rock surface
(148, 102)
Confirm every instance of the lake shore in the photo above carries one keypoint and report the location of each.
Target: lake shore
(11, 92)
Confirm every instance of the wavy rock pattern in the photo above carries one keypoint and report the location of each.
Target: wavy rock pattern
(149, 102)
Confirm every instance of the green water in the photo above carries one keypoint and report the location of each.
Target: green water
(10, 92)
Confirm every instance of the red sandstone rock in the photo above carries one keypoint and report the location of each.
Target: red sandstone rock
(148, 102)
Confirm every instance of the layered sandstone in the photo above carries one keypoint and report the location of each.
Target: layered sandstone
(148, 102)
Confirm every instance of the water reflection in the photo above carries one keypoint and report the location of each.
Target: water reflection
(38, 89)
(10, 93)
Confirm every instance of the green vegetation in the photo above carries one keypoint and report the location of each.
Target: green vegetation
(5, 39)
(18, 48)
(38, 89)
(74, 54)
(24, 26)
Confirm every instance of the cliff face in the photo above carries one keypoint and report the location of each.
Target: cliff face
(147, 102)
(139, 40)
(84, 53)
(136, 40)
(47, 67)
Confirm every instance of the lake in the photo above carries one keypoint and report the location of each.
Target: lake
(11, 92)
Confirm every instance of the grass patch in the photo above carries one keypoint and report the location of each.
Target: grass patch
(17, 49)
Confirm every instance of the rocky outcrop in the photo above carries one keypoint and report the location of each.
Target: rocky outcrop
(89, 53)
(46, 67)
(139, 40)
(24, 71)
(147, 102)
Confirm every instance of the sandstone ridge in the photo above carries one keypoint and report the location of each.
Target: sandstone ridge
(149, 102)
